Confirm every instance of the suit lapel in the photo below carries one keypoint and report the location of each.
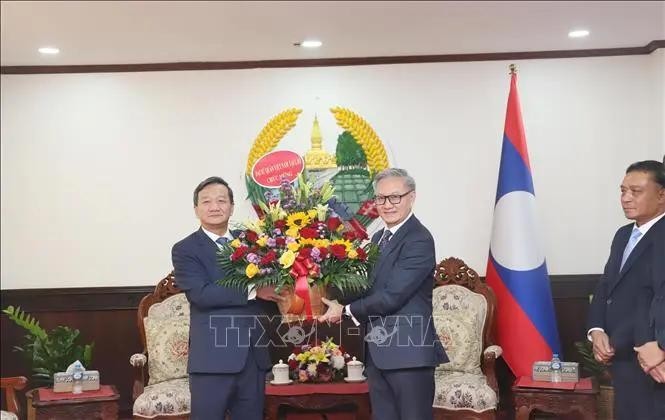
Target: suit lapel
(643, 245)
(393, 243)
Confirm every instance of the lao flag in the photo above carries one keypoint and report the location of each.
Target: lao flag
(516, 270)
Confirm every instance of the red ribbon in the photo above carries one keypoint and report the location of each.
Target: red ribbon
(302, 267)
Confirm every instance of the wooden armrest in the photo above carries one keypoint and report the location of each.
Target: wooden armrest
(488, 367)
(11, 385)
(138, 362)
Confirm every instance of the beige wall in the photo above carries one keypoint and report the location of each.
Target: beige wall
(98, 169)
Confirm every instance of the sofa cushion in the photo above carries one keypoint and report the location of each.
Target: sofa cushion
(457, 391)
(167, 339)
(6, 415)
(459, 318)
(165, 398)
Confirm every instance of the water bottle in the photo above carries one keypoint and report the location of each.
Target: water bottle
(77, 377)
(555, 368)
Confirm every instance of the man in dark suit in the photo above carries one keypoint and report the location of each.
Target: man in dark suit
(403, 348)
(226, 366)
(616, 323)
(651, 355)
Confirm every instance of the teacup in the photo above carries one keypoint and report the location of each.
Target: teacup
(355, 370)
(280, 372)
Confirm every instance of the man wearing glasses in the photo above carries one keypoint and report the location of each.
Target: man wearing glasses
(403, 348)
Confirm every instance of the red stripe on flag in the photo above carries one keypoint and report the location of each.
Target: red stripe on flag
(513, 128)
(521, 342)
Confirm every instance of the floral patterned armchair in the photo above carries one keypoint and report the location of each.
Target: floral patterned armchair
(463, 310)
(10, 386)
(163, 323)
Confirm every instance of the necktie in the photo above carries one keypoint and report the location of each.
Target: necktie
(384, 239)
(634, 237)
(222, 240)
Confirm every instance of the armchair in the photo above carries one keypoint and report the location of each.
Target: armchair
(10, 386)
(463, 310)
(163, 324)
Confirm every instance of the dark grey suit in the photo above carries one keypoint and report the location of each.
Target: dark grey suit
(403, 347)
(227, 369)
(615, 308)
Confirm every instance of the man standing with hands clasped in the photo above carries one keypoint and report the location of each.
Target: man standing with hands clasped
(403, 348)
(618, 325)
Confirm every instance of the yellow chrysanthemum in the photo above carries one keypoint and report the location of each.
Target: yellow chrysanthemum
(235, 243)
(321, 243)
(251, 270)
(287, 259)
(262, 241)
(298, 219)
(312, 214)
(353, 254)
(293, 232)
(348, 245)
(293, 246)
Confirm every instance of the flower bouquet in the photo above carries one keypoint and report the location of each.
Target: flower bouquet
(320, 363)
(301, 246)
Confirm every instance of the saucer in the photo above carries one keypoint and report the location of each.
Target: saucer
(282, 383)
(363, 379)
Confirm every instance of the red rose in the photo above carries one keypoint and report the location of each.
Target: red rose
(323, 252)
(280, 224)
(339, 251)
(280, 241)
(251, 236)
(309, 233)
(305, 253)
(333, 223)
(268, 258)
(238, 253)
(362, 255)
(349, 235)
(293, 364)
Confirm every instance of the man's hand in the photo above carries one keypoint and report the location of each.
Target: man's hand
(334, 312)
(268, 293)
(602, 350)
(658, 373)
(650, 355)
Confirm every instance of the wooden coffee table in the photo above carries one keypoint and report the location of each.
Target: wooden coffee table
(102, 405)
(319, 397)
(576, 403)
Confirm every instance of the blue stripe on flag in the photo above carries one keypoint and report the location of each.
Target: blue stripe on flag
(513, 172)
(531, 290)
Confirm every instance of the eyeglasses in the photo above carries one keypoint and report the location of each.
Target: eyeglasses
(393, 199)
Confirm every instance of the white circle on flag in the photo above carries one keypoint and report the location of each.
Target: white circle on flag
(515, 243)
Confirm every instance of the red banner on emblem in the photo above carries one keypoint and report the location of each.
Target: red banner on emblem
(271, 167)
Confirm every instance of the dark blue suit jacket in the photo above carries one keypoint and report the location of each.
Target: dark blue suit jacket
(398, 307)
(650, 323)
(223, 323)
(619, 303)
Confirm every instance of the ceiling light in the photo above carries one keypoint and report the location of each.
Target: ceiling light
(310, 43)
(49, 50)
(580, 33)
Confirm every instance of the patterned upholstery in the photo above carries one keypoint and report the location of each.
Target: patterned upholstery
(167, 344)
(167, 338)
(6, 415)
(459, 317)
(169, 398)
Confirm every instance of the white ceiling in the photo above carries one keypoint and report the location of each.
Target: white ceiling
(119, 32)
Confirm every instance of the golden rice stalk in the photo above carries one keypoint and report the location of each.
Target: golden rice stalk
(377, 159)
(271, 134)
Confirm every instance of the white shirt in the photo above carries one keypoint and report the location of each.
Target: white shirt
(251, 291)
(643, 229)
(392, 230)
